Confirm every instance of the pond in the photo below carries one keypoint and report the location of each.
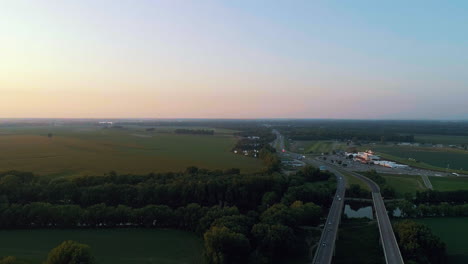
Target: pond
(358, 210)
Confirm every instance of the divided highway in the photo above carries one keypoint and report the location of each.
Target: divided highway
(387, 237)
(326, 246)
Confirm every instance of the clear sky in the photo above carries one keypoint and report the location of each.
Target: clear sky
(234, 59)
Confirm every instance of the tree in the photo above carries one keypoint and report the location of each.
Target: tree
(70, 252)
(11, 260)
(419, 244)
(223, 246)
(273, 240)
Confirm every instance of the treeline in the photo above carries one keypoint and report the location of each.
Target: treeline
(418, 244)
(379, 127)
(194, 131)
(411, 210)
(254, 218)
(321, 133)
(431, 196)
(254, 138)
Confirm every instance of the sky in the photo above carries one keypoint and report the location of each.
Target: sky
(234, 59)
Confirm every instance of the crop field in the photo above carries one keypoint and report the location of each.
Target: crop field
(96, 150)
(454, 232)
(404, 183)
(315, 147)
(449, 183)
(109, 246)
(442, 139)
(429, 158)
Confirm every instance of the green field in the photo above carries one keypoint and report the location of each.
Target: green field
(449, 183)
(109, 246)
(350, 179)
(315, 147)
(441, 139)
(358, 242)
(81, 150)
(404, 183)
(427, 157)
(454, 232)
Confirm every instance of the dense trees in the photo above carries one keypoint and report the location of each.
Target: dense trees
(411, 210)
(418, 244)
(241, 217)
(430, 196)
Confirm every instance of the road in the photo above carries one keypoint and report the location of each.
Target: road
(427, 182)
(326, 246)
(387, 237)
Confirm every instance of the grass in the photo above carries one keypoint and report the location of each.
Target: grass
(404, 183)
(358, 242)
(94, 150)
(354, 180)
(315, 147)
(449, 183)
(427, 157)
(442, 139)
(109, 246)
(454, 232)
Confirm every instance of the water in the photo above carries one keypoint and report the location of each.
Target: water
(358, 210)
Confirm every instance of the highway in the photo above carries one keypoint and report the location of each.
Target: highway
(326, 246)
(387, 237)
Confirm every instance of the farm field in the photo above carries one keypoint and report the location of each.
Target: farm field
(449, 183)
(96, 150)
(109, 246)
(315, 147)
(404, 183)
(454, 232)
(429, 158)
(441, 139)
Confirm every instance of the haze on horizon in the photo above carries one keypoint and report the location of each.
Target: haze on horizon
(234, 59)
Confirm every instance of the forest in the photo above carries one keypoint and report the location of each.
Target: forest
(253, 218)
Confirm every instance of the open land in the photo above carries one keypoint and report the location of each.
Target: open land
(454, 232)
(441, 139)
(315, 146)
(109, 246)
(426, 157)
(93, 150)
(449, 183)
(404, 183)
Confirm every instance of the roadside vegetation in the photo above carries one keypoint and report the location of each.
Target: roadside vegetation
(358, 243)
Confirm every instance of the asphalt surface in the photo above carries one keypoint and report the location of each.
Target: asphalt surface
(326, 246)
(389, 242)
